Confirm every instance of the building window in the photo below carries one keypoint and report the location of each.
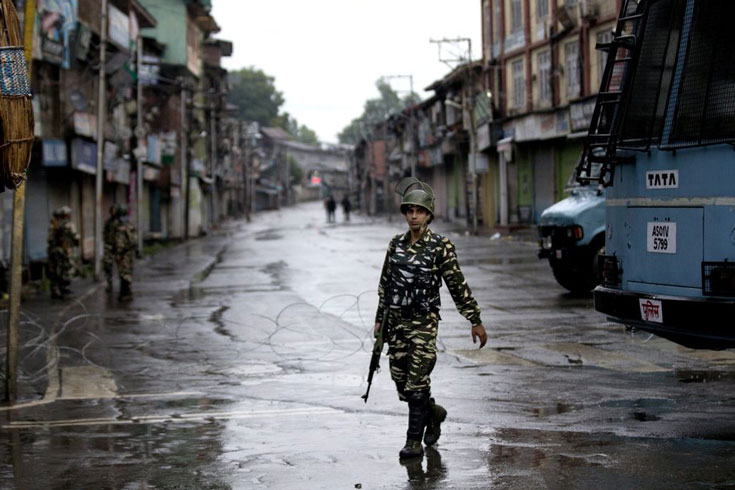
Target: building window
(544, 77)
(603, 37)
(542, 9)
(571, 52)
(487, 25)
(519, 84)
(516, 17)
(496, 28)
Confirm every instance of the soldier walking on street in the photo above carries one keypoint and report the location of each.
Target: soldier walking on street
(119, 248)
(346, 207)
(62, 238)
(414, 267)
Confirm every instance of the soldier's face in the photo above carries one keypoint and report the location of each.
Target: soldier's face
(416, 217)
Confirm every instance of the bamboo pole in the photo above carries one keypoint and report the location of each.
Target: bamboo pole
(16, 283)
(16, 245)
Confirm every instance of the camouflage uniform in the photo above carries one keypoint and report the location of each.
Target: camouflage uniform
(62, 238)
(108, 244)
(119, 244)
(409, 293)
(411, 278)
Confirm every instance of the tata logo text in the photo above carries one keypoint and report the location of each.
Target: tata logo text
(662, 179)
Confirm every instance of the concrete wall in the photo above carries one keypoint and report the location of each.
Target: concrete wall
(171, 29)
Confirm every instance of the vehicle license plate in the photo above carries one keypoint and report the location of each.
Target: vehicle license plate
(651, 310)
(661, 237)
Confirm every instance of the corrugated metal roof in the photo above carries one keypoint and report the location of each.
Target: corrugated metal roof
(276, 133)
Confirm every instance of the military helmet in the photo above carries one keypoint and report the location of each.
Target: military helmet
(62, 212)
(118, 209)
(413, 191)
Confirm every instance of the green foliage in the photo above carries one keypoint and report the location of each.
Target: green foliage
(375, 111)
(255, 95)
(300, 132)
(257, 99)
(307, 135)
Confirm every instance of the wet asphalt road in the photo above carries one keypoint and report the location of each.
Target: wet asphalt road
(241, 362)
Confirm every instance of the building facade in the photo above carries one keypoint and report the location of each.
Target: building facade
(543, 73)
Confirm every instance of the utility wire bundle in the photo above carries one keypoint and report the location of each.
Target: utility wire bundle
(16, 110)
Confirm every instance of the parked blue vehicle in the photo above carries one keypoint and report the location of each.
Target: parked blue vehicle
(572, 237)
(661, 137)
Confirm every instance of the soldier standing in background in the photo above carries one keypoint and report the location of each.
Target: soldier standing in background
(331, 206)
(108, 246)
(62, 238)
(346, 207)
(415, 265)
(119, 247)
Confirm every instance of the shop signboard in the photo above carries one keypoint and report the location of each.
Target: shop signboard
(54, 153)
(84, 156)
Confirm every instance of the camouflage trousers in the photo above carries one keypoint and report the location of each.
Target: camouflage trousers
(108, 260)
(59, 271)
(412, 351)
(125, 265)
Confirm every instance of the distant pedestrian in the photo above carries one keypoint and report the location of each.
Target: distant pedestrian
(62, 238)
(346, 207)
(119, 249)
(331, 206)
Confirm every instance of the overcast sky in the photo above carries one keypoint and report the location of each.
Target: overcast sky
(326, 55)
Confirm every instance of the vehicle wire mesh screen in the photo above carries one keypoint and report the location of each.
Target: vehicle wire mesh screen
(705, 109)
(718, 278)
(644, 116)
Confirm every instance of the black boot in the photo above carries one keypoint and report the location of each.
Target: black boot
(126, 294)
(417, 405)
(435, 417)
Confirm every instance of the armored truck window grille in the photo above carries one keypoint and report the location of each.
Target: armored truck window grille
(652, 77)
(705, 104)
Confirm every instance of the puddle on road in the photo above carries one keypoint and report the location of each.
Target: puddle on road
(499, 260)
(557, 409)
(268, 235)
(692, 376)
(642, 409)
(639, 403)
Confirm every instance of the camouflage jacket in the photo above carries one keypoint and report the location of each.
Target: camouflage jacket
(62, 236)
(412, 275)
(124, 237)
(108, 232)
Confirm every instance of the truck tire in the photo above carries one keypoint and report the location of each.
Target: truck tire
(581, 275)
(571, 278)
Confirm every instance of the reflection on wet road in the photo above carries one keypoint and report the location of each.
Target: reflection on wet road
(241, 362)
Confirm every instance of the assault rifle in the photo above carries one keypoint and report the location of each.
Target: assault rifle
(377, 347)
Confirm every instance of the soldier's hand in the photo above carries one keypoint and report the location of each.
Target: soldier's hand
(478, 332)
(376, 329)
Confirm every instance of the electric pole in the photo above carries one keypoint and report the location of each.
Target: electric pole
(101, 111)
(468, 105)
(411, 125)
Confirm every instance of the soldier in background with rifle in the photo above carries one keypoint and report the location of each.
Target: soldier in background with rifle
(119, 248)
(62, 238)
(408, 312)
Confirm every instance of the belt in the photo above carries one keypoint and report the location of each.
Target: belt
(408, 312)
